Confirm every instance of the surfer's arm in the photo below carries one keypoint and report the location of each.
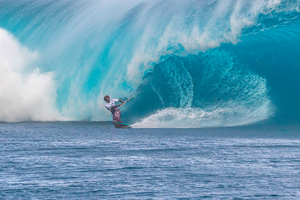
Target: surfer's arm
(109, 107)
(117, 100)
(115, 106)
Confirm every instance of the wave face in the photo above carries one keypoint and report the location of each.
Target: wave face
(198, 63)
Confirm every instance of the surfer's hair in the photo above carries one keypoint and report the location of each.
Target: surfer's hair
(105, 97)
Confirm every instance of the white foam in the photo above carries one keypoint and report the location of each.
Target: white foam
(232, 115)
(24, 94)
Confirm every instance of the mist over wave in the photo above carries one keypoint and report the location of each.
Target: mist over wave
(24, 94)
(201, 63)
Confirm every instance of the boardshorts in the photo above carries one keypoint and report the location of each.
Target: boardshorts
(117, 116)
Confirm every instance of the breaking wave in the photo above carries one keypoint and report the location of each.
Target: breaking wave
(199, 63)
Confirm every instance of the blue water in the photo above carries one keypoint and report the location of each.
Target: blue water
(227, 71)
(198, 63)
(92, 160)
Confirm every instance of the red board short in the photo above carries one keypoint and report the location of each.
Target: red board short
(117, 116)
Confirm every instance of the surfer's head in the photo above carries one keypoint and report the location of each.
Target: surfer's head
(107, 98)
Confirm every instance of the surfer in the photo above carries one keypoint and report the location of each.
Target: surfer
(113, 108)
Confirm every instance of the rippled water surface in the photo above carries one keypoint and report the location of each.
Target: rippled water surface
(80, 160)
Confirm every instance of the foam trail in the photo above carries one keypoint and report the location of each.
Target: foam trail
(233, 115)
(25, 93)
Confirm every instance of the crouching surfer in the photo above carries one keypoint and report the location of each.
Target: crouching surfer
(116, 112)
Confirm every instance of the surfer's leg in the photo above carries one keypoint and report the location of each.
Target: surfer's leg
(118, 125)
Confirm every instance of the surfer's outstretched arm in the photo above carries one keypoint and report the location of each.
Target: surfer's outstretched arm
(113, 107)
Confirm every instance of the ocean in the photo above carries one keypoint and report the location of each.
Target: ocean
(93, 160)
(214, 108)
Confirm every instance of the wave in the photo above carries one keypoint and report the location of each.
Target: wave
(207, 63)
(204, 90)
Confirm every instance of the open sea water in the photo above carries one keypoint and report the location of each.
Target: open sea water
(93, 160)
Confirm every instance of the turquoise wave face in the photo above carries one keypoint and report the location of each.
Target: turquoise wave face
(200, 63)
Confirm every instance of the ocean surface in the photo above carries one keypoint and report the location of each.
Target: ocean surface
(93, 160)
(215, 108)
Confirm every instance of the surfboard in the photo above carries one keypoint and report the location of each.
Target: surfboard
(121, 125)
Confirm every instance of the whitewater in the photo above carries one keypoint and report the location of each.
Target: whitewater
(200, 63)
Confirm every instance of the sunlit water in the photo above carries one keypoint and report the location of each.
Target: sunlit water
(81, 160)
